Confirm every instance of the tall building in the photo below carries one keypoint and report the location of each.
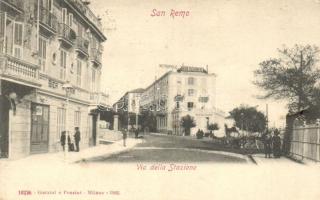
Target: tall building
(50, 69)
(187, 91)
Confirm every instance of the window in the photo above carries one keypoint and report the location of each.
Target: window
(87, 75)
(191, 81)
(47, 4)
(70, 20)
(77, 119)
(80, 30)
(89, 125)
(61, 121)
(177, 105)
(63, 64)
(190, 105)
(93, 80)
(191, 92)
(50, 2)
(43, 52)
(64, 15)
(79, 72)
(18, 33)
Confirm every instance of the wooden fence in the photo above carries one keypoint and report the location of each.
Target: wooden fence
(305, 142)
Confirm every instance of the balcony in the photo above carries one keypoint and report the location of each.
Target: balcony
(82, 46)
(14, 5)
(48, 21)
(95, 56)
(66, 34)
(16, 69)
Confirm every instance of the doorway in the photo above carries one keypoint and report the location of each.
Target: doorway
(39, 139)
(4, 126)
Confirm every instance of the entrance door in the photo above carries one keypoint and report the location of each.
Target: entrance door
(39, 128)
(4, 124)
(94, 129)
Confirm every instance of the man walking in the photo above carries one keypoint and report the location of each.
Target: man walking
(267, 144)
(77, 138)
(276, 144)
(124, 136)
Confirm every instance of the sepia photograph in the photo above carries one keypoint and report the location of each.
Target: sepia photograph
(159, 99)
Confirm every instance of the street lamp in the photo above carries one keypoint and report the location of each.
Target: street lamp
(68, 88)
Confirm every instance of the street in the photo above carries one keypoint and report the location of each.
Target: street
(157, 148)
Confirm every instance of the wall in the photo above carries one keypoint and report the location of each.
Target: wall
(19, 131)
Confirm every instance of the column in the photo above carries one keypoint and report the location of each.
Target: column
(115, 122)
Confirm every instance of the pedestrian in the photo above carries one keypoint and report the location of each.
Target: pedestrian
(267, 144)
(77, 138)
(124, 136)
(276, 144)
(63, 139)
(136, 132)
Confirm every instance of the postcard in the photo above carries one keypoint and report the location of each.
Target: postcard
(159, 99)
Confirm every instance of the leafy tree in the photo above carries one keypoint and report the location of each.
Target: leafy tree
(292, 76)
(148, 120)
(187, 122)
(248, 118)
(213, 127)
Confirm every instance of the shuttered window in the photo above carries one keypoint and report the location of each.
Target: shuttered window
(61, 121)
(64, 15)
(18, 39)
(63, 64)
(43, 52)
(79, 72)
(77, 119)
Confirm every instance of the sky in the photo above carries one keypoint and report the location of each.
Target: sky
(230, 36)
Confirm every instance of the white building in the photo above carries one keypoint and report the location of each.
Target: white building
(187, 91)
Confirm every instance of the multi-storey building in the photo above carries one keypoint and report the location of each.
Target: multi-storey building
(128, 105)
(50, 69)
(187, 91)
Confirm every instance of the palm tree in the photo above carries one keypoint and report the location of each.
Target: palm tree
(187, 122)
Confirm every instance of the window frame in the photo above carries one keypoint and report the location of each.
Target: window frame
(63, 65)
(16, 45)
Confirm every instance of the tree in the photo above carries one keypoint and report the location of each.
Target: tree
(148, 120)
(292, 76)
(187, 122)
(248, 119)
(212, 127)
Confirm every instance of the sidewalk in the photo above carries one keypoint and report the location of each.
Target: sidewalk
(261, 160)
(72, 157)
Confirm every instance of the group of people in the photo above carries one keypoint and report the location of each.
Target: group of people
(272, 144)
(77, 139)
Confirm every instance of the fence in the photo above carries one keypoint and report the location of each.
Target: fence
(305, 142)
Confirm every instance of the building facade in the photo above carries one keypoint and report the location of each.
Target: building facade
(50, 69)
(187, 91)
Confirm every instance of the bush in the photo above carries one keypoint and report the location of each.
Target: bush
(199, 135)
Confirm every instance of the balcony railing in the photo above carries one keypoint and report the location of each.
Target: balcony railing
(47, 18)
(96, 55)
(66, 33)
(82, 45)
(17, 69)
